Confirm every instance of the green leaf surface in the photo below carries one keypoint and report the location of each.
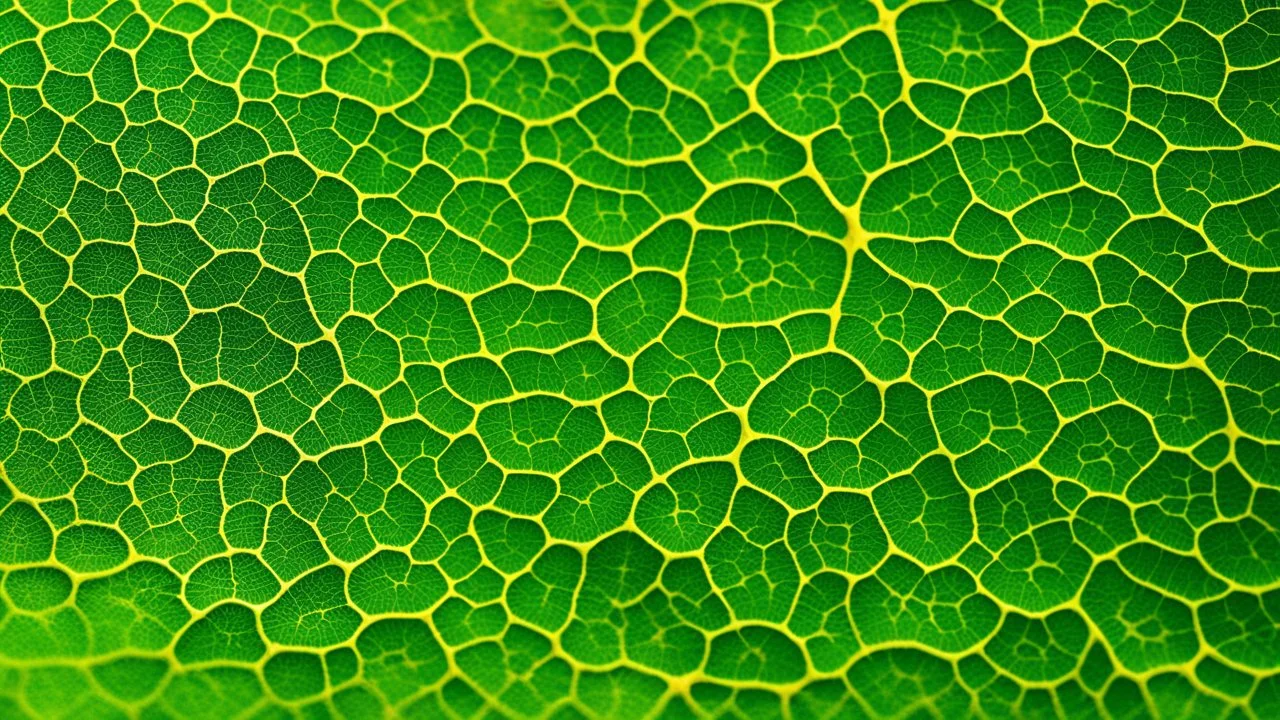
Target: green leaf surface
(640, 359)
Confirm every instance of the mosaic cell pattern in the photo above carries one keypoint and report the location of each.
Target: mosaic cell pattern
(640, 358)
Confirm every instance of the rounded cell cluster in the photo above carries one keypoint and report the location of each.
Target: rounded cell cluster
(639, 358)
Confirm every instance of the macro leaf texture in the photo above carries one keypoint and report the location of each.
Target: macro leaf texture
(639, 359)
